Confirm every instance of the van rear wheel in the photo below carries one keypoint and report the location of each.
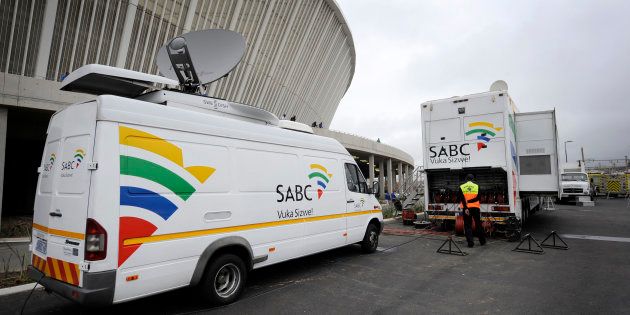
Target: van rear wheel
(370, 240)
(224, 280)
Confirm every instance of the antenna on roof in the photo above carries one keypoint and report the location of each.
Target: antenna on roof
(199, 58)
(190, 60)
(499, 85)
(182, 64)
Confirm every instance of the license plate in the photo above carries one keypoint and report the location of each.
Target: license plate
(41, 245)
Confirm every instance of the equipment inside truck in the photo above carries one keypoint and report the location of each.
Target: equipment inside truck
(444, 185)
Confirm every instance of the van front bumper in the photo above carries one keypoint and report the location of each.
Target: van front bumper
(97, 290)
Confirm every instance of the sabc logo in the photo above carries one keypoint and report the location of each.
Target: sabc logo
(299, 192)
(79, 154)
(49, 166)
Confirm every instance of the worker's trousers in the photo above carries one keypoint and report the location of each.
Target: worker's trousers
(474, 215)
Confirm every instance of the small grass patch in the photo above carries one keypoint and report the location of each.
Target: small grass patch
(16, 226)
(11, 279)
(388, 211)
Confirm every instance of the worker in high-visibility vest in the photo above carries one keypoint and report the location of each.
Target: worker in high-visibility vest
(469, 203)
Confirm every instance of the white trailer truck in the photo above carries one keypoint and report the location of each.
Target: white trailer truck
(512, 155)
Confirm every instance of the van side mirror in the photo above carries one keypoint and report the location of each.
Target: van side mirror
(375, 188)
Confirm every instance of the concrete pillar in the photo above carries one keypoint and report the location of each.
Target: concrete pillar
(132, 6)
(190, 15)
(390, 176)
(244, 80)
(4, 115)
(400, 176)
(371, 171)
(381, 179)
(408, 176)
(45, 39)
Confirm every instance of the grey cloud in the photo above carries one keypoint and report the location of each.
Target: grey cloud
(570, 55)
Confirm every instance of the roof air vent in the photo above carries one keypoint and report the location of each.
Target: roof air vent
(296, 126)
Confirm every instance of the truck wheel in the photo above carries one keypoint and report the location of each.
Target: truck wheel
(370, 240)
(224, 280)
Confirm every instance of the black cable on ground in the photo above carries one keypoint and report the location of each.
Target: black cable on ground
(289, 284)
(337, 260)
(401, 244)
(29, 294)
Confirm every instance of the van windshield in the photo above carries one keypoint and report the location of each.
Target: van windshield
(575, 177)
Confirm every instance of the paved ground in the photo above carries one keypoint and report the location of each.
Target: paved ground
(407, 276)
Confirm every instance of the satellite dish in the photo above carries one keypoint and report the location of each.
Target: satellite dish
(499, 85)
(200, 57)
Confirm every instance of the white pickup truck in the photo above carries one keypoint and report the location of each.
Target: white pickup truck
(574, 184)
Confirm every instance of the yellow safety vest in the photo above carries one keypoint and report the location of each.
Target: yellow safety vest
(471, 194)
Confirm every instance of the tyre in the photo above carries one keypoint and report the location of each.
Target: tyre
(224, 280)
(370, 240)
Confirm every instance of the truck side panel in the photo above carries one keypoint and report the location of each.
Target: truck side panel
(537, 151)
(180, 192)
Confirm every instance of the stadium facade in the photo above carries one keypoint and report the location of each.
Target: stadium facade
(300, 60)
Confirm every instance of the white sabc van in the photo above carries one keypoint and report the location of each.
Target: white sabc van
(138, 196)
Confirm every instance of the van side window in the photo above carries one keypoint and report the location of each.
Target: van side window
(349, 178)
(355, 180)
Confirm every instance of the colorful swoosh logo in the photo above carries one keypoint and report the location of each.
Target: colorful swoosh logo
(79, 154)
(322, 176)
(485, 131)
(143, 198)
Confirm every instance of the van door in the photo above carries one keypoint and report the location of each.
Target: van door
(325, 199)
(357, 202)
(61, 199)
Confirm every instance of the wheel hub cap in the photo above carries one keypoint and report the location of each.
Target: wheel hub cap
(227, 280)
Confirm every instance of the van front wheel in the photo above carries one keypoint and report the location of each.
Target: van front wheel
(370, 240)
(223, 280)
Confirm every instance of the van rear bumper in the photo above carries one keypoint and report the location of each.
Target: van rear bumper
(97, 290)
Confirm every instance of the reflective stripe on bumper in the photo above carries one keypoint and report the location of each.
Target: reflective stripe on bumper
(97, 290)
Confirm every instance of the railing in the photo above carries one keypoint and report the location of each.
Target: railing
(413, 185)
(607, 166)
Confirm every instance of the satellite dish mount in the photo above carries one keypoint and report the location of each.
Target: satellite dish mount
(499, 85)
(182, 64)
(198, 58)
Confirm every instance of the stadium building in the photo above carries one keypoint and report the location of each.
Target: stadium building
(299, 62)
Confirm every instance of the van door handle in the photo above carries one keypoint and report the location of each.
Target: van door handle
(55, 214)
(350, 201)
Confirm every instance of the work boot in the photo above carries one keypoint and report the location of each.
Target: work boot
(471, 244)
(482, 242)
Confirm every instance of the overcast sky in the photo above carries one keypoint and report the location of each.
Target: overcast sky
(571, 55)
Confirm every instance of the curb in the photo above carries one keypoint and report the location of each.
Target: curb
(15, 240)
(392, 219)
(19, 288)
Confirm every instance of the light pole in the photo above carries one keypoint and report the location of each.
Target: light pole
(566, 156)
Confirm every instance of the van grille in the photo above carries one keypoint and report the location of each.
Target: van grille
(535, 151)
(572, 190)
